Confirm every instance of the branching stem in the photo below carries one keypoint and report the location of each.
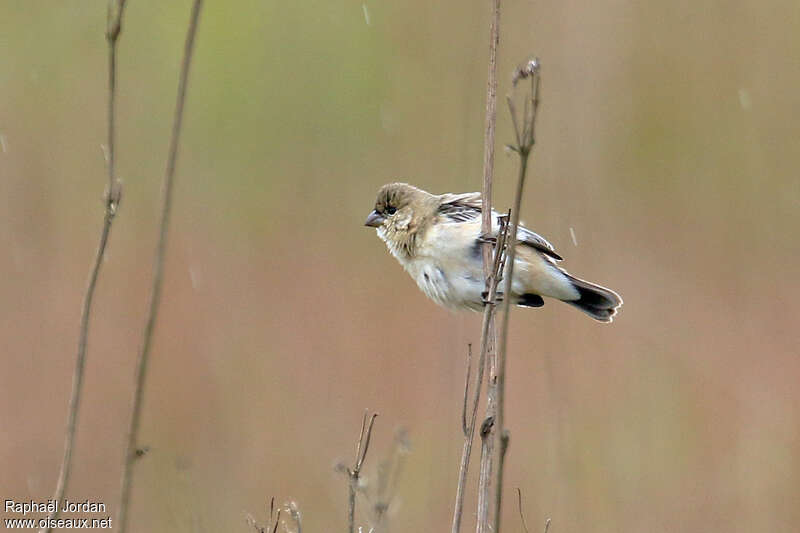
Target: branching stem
(354, 472)
(526, 140)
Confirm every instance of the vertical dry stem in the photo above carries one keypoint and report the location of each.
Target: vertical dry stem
(525, 140)
(488, 331)
(112, 198)
(155, 292)
(354, 472)
(487, 448)
(488, 173)
(498, 263)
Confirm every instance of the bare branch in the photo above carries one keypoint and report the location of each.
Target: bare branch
(158, 267)
(497, 263)
(527, 135)
(277, 521)
(519, 508)
(112, 198)
(505, 437)
(489, 136)
(466, 391)
(363, 442)
(354, 472)
(274, 518)
(488, 330)
(485, 478)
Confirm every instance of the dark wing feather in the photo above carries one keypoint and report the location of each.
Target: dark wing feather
(466, 207)
(460, 207)
(536, 241)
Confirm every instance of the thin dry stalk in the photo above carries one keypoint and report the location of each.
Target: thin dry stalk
(505, 438)
(112, 197)
(498, 264)
(158, 267)
(489, 134)
(354, 472)
(274, 518)
(521, 514)
(484, 480)
(464, 427)
(488, 330)
(487, 427)
(525, 142)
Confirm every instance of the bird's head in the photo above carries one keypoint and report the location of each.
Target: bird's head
(401, 213)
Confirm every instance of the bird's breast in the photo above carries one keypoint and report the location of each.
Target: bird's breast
(446, 267)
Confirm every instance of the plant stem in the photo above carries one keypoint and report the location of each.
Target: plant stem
(488, 330)
(158, 267)
(112, 198)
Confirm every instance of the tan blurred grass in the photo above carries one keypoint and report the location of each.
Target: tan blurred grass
(283, 317)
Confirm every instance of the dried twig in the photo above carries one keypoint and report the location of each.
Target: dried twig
(274, 518)
(112, 197)
(505, 438)
(484, 480)
(488, 331)
(487, 440)
(155, 291)
(464, 427)
(521, 514)
(525, 141)
(354, 472)
(498, 263)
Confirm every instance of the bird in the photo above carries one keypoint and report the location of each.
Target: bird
(438, 241)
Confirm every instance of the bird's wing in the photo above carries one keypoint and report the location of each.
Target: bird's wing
(466, 207)
(457, 208)
(536, 241)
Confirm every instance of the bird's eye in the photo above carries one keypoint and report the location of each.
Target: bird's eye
(391, 210)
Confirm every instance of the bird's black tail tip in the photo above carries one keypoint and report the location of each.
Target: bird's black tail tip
(598, 302)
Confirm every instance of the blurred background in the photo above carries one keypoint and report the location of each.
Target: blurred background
(668, 144)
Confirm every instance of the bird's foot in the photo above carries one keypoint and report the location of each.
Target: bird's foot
(498, 297)
(484, 238)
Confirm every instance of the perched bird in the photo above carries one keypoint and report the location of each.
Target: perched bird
(437, 239)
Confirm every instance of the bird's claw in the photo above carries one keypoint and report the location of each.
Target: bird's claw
(498, 297)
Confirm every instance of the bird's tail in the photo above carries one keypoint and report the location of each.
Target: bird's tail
(598, 302)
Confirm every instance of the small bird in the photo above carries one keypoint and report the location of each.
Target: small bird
(438, 240)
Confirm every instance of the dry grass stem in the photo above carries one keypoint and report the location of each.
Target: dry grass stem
(468, 373)
(354, 472)
(525, 140)
(112, 197)
(485, 477)
(488, 331)
(521, 514)
(274, 519)
(158, 267)
(497, 265)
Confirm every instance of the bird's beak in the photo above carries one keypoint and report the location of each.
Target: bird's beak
(374, 220)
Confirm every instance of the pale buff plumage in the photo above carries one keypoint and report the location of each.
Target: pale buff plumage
(435, 238)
